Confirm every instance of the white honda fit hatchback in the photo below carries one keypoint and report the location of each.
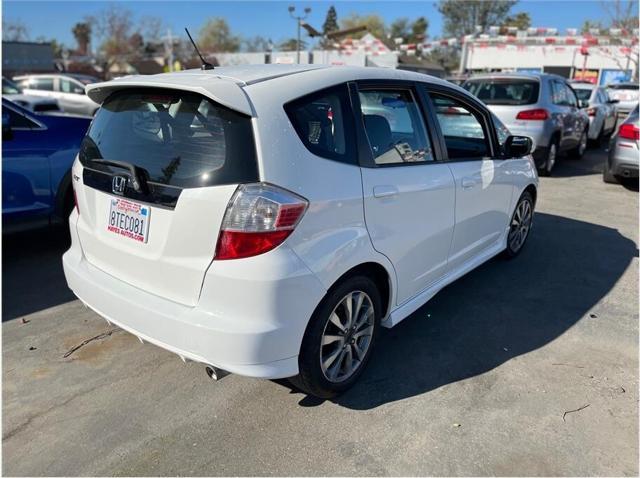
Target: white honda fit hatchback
(267, 220)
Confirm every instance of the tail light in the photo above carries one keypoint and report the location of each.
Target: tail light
(591, 111)
(629, 131)
(259, 218)
(538, 114)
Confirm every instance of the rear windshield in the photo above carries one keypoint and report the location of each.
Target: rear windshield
(504, 91)
(176, 138)
(582, 93)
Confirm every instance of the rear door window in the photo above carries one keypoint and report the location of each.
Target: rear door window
(176, 138)
(324, 123)
(45, 84)
(498, 91)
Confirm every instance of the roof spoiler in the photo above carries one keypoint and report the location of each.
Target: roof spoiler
(221, 90)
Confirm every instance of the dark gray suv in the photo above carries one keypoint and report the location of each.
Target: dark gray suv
(541, 106)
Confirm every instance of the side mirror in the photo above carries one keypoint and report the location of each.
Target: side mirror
(78, 91)
(517, 146)
(7, 134)
(613, 101)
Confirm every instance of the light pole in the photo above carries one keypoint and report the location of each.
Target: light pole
(298, 19)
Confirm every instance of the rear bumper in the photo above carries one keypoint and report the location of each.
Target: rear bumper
(623, 158)
(260, 338)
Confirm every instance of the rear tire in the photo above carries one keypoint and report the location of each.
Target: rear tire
(578, 151)
(551, 158)
(339, 338)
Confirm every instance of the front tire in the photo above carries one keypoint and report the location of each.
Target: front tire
(608, 176)
(520, 226)
(339, 339)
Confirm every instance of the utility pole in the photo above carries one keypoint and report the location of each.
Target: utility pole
(298, 19)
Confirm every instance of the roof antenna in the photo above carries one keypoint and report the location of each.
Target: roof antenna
(205, 64)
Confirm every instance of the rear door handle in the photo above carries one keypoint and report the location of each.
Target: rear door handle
(468, 183)
(384, 191)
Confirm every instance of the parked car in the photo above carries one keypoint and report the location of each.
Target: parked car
(67, 88)
(541, 106)
(268, 220)
(37, 153)
(627, 95)
(624, 150)
(37, 104)
(601, 109)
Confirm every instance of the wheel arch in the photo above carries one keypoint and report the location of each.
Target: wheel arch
(380, 276)
(63, 195)
(533, 190)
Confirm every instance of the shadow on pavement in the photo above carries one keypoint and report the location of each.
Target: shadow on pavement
(499, 311)
(32, 277)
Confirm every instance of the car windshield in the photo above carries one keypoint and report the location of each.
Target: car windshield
(504, 91)
(178, 138)
(10, 88)
(583, 94)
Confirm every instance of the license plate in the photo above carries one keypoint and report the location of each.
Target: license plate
(129, 219)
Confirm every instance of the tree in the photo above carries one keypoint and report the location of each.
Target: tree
(419, 30)
(215, 36)
(374, 24)
(14, 31)
(152, 28)
(462, 16)
(588, 25)
(399, 28)
(256, 44)
(82, 33)
(112, 27)
(330, 25)
(57, 48)
(448, 58)
(292, 45)
(410, 32)
(521, 21)
(622, 14)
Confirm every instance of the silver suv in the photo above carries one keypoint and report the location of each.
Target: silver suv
(541, 106)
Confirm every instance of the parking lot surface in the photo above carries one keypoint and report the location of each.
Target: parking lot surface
(522, 367)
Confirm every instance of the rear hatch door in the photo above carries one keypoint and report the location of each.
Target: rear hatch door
(156, 171)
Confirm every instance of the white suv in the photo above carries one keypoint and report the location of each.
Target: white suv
(267, 220)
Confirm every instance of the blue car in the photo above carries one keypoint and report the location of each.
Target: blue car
(37, 154)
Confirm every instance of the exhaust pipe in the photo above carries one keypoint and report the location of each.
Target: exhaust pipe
(215, 373)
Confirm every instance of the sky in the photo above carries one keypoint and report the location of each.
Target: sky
(54, 19)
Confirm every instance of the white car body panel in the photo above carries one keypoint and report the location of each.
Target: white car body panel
(248, 316)
(399, 199)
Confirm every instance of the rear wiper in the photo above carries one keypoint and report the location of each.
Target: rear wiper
(138, 181)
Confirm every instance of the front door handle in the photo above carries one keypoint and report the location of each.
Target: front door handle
(468, 183)
(384, 191)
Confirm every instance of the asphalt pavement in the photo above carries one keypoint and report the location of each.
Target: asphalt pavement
(522, 367)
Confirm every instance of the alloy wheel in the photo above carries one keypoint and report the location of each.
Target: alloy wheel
(520, 225)
(347, 336)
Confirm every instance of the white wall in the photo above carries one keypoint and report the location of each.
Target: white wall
(539, 56)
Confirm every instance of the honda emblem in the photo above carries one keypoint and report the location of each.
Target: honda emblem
(118, 184)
